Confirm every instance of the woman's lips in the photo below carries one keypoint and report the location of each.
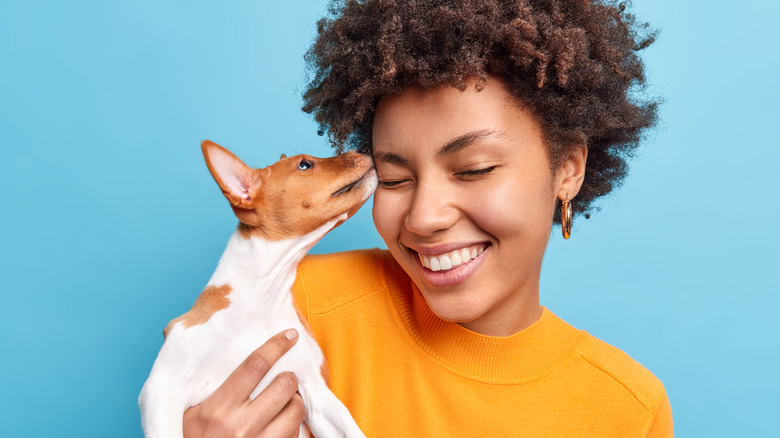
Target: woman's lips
(451, 259)
(452, 267)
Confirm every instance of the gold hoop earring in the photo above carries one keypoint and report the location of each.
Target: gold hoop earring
(566, 218)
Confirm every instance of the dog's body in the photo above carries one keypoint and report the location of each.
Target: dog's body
(248, 299)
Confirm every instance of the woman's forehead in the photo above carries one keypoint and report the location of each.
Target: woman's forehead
(449, 120)
(389, 154)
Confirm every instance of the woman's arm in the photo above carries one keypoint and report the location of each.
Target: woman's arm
(277, 411)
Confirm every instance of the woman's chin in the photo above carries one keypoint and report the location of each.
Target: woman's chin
(452, 307)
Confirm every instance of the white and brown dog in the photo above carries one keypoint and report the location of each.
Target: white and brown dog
(283, 209)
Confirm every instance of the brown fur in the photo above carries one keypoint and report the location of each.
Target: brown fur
(324, 372)
(280, 203)
(211, 300)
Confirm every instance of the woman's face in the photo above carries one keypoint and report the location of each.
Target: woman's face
(465, 201)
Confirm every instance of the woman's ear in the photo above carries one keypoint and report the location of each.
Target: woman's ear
(571, 173)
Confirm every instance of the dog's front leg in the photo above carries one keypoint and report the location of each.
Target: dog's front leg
(326, 416)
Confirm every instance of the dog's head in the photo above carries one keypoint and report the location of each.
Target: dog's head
(293, 196)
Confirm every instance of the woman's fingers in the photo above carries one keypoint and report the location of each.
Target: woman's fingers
(288, 421)
(273, 400)
(230, 412)
(240, 384)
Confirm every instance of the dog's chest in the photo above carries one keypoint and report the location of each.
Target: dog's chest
(246, 318)
(201, 357)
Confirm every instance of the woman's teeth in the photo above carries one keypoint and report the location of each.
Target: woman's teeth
(452, 259)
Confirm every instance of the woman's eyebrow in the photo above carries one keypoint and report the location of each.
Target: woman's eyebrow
(389, 157)
(451, 147)
(464, 141)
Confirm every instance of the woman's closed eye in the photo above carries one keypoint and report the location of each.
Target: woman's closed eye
(390, 183)
(399, 182)
(477, 172)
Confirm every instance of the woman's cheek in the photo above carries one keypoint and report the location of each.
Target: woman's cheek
(509, 209)
(495, 209)
(386, 218)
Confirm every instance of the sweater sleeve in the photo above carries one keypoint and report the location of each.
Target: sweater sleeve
(662, 426)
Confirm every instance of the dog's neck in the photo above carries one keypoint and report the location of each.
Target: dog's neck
(265, 268)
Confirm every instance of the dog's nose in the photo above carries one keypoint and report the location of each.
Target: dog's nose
(350, 161)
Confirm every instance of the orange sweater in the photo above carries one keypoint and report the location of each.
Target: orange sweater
(403, 372)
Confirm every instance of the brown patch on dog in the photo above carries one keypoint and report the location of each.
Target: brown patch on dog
(211, 300)
(324, 372)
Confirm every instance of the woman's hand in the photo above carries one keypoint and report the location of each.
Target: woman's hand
(229, 412)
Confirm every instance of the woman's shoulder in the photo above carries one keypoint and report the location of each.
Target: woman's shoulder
(328, 281)
(623, 373)
(617, 366)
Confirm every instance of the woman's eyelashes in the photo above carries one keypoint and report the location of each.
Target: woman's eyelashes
(391, 183)
(392, 178)
(477, 172)
(398, 182)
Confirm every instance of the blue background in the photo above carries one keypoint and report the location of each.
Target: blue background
(110, 224)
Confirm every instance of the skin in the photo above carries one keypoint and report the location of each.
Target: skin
(469, 169)
(278, 411)
(455, 169)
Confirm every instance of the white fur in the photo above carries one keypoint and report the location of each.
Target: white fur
(194, 361)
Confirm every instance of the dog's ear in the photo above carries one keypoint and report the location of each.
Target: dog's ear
(238, 181)
(283, 157)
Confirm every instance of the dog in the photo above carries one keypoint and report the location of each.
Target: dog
(283, 210)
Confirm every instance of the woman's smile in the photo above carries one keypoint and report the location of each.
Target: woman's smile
(442, 269)
(465, 201)
(451, 259)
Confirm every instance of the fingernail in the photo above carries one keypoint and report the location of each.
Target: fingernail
(291, 334)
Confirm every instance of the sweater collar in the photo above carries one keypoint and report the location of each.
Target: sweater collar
(524, 356)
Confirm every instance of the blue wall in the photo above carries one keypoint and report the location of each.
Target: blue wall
(111, 224)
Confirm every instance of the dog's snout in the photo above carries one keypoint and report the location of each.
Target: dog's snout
(352, 160)
(347, 162)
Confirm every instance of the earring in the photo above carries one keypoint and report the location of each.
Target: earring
(566, 218)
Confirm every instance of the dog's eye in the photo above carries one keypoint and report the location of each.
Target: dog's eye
(305, 164)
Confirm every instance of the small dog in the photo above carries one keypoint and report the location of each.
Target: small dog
(283, 210)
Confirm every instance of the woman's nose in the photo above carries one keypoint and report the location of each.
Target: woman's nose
(432, 210)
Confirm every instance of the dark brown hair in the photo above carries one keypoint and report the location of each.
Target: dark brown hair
(572, 63)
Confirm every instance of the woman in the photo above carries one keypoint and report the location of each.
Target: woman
(488, 120)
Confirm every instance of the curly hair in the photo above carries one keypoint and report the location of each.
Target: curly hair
(572, 63)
